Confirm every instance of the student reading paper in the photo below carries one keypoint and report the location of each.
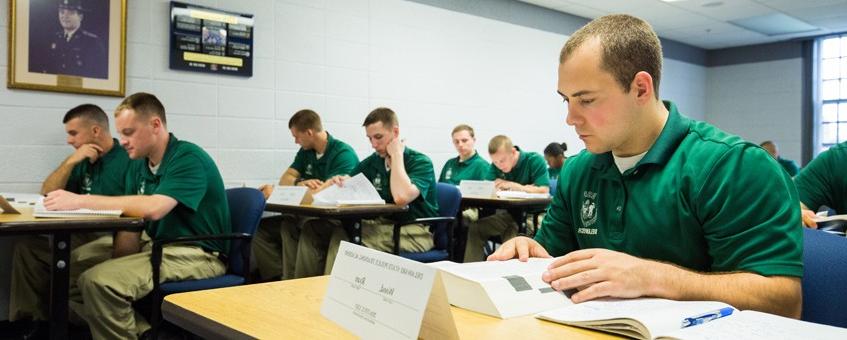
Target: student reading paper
(660, 205)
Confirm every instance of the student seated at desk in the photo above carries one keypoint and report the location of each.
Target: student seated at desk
(468, 164)
(660, 205)
(177, 188)
(822, 182)
(554, 154)
(97, 167)
(514, 170)
(401, 176)
(790, 166)
(320, 158)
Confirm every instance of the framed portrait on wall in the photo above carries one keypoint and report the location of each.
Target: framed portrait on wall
(74, 46)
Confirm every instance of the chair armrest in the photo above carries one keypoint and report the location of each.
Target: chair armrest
(156, 256)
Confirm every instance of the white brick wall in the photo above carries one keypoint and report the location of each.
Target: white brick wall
(759, 101)
(342, 58)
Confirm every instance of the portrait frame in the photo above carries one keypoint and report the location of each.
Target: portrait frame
(89, 60)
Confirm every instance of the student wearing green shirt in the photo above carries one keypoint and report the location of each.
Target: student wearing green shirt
(320, 157)
(790, 166)
(177, 188)
(401, 176)
(96, 167)
(822, 182)
(660, 205)
(514, 170)
(554, 154)
(468, 165)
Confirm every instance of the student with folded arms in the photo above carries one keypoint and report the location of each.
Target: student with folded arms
(468, 164)
(660, 205)
(511, 169)
(401, 176)
(97, 167)
(822, 183)
(320, 158)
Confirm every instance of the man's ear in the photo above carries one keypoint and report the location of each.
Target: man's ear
(642, 84)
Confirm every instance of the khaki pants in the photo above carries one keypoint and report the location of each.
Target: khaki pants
(109, 288)
(31, 263)
(275, 246)
(500, 224)
(320, 240)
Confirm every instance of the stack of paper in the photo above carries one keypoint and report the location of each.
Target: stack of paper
(41, 211)
(356, 190)
(520, 194)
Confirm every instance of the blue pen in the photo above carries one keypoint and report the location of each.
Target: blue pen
(706, 317)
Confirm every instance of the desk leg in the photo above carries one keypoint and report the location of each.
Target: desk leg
(59, 277)
(353, 229)
(519, 215)
(460, 234)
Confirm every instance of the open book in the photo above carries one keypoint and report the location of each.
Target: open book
(502, 289)
(357, 190)
(41, 211)
(649, 318)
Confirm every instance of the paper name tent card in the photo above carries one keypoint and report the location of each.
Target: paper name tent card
(502, 289)
(644, 318)
(6, 207)
(482, 189)
(357, 190)
(520, 194)
(377, 295)
(41, 211)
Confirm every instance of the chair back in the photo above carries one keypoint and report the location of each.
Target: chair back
(824, 278)
(553, 186)
(449, 199)
(245, 208)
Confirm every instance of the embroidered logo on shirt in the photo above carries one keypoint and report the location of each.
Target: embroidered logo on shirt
(86, 184)
(309, 169)
(141, 188)
(378, 182)
(449, 173)
(589, 209)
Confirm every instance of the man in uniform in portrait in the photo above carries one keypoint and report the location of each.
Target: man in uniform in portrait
(73, 50)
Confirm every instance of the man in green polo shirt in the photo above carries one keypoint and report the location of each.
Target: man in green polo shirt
(822, 183)
(401, 176)
(320, 157)
(660, 205)
(177, 188)
(97, 167)
(790, 166)
(468, 165)
(511, 169)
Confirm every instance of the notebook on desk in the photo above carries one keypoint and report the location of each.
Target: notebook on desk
(41, 211)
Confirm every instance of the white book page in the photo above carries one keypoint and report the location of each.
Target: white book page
(41, 211)
(757, 325)
(657, 315)
(520, 194)
(356, 190)
(495, 270)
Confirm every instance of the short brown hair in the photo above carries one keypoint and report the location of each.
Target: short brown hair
(90, 112)
(629, 46)
(384, 115)
(463, 127)
(498, 143)
(306, 120)
(144, 104)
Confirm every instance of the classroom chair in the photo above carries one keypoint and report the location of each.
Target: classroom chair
(824, 278)
(449, 199)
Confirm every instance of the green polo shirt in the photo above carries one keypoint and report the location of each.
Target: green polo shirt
(419, 168)
(454, 171)
(188, 175)
(530, 169)
(554, 172)
(700, 198)
(790, 166)
(822, 181)
(107, 176)
(338, 159)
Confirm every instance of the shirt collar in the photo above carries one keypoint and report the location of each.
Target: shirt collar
(169, 153)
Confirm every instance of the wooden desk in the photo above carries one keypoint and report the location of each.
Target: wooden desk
(60, 230)
(350, 216)
(291, 310)
(517, 207)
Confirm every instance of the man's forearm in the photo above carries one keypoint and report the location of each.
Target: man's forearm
(402, 189)
(138, 206)
(58, 179)
(780, 295)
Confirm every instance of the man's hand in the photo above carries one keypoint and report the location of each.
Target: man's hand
(62, 200)
(502, 184)
(394, 149)
(809, 218)
(312, 184)
(601, 273)
(338, 180)
(267, 190)
(521, 247)
(90, 151)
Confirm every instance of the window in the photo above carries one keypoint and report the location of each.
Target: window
(832, 91)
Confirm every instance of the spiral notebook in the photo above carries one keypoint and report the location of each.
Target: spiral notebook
(41, 211)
